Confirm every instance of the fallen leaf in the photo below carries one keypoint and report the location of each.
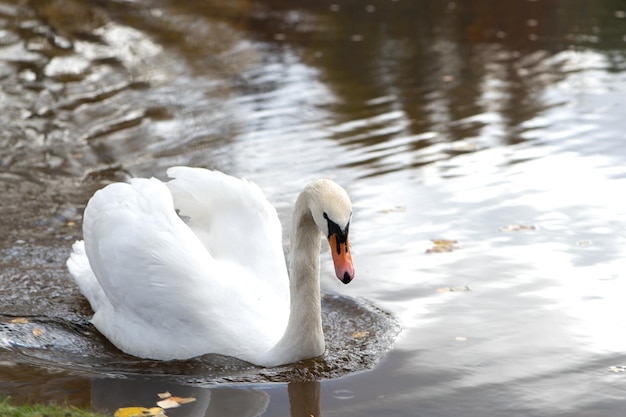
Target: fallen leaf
(442, 245)
(172, 402)
(181, 400)
(156, 412)
(359, 335)
(168, 403)
(37, 332)
(139, 412)
(19, 320)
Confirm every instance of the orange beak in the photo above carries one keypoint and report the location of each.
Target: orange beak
(342, 259)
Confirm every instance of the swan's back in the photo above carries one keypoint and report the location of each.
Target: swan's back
(164, 289)
(233, 220)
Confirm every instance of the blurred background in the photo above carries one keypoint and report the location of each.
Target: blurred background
(495, 126)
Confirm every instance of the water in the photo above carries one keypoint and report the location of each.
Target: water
(496, 125)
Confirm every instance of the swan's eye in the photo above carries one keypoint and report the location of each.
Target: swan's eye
(334, 229)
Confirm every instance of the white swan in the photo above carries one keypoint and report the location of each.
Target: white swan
(195, 265)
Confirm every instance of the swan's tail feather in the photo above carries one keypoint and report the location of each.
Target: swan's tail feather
(79, 268)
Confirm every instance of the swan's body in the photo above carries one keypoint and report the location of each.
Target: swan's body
(195, 265)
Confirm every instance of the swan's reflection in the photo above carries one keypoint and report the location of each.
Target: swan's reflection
(110, 394)
(304, 398)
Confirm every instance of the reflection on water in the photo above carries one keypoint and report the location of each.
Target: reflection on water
(443, 119)
(236, 402)
(303, 398)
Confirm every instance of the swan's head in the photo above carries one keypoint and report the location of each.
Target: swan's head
(332, 211)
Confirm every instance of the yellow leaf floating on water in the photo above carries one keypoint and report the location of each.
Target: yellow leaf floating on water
(139, 412)
(173, 402)
(186, 400)
(156, 412)
(19, 320)
(168, 403)
(359, 335)
(37, 332)
(443, 242)
(442, 245)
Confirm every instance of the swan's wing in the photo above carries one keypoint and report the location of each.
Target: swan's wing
(135, 243)
(233, 220)
(166, 297)
(79, 267)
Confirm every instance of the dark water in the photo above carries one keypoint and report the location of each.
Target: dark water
(499, 125)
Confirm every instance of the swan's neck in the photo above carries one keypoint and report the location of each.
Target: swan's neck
(303, 337)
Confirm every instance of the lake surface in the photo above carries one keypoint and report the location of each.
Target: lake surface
(482, 143)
